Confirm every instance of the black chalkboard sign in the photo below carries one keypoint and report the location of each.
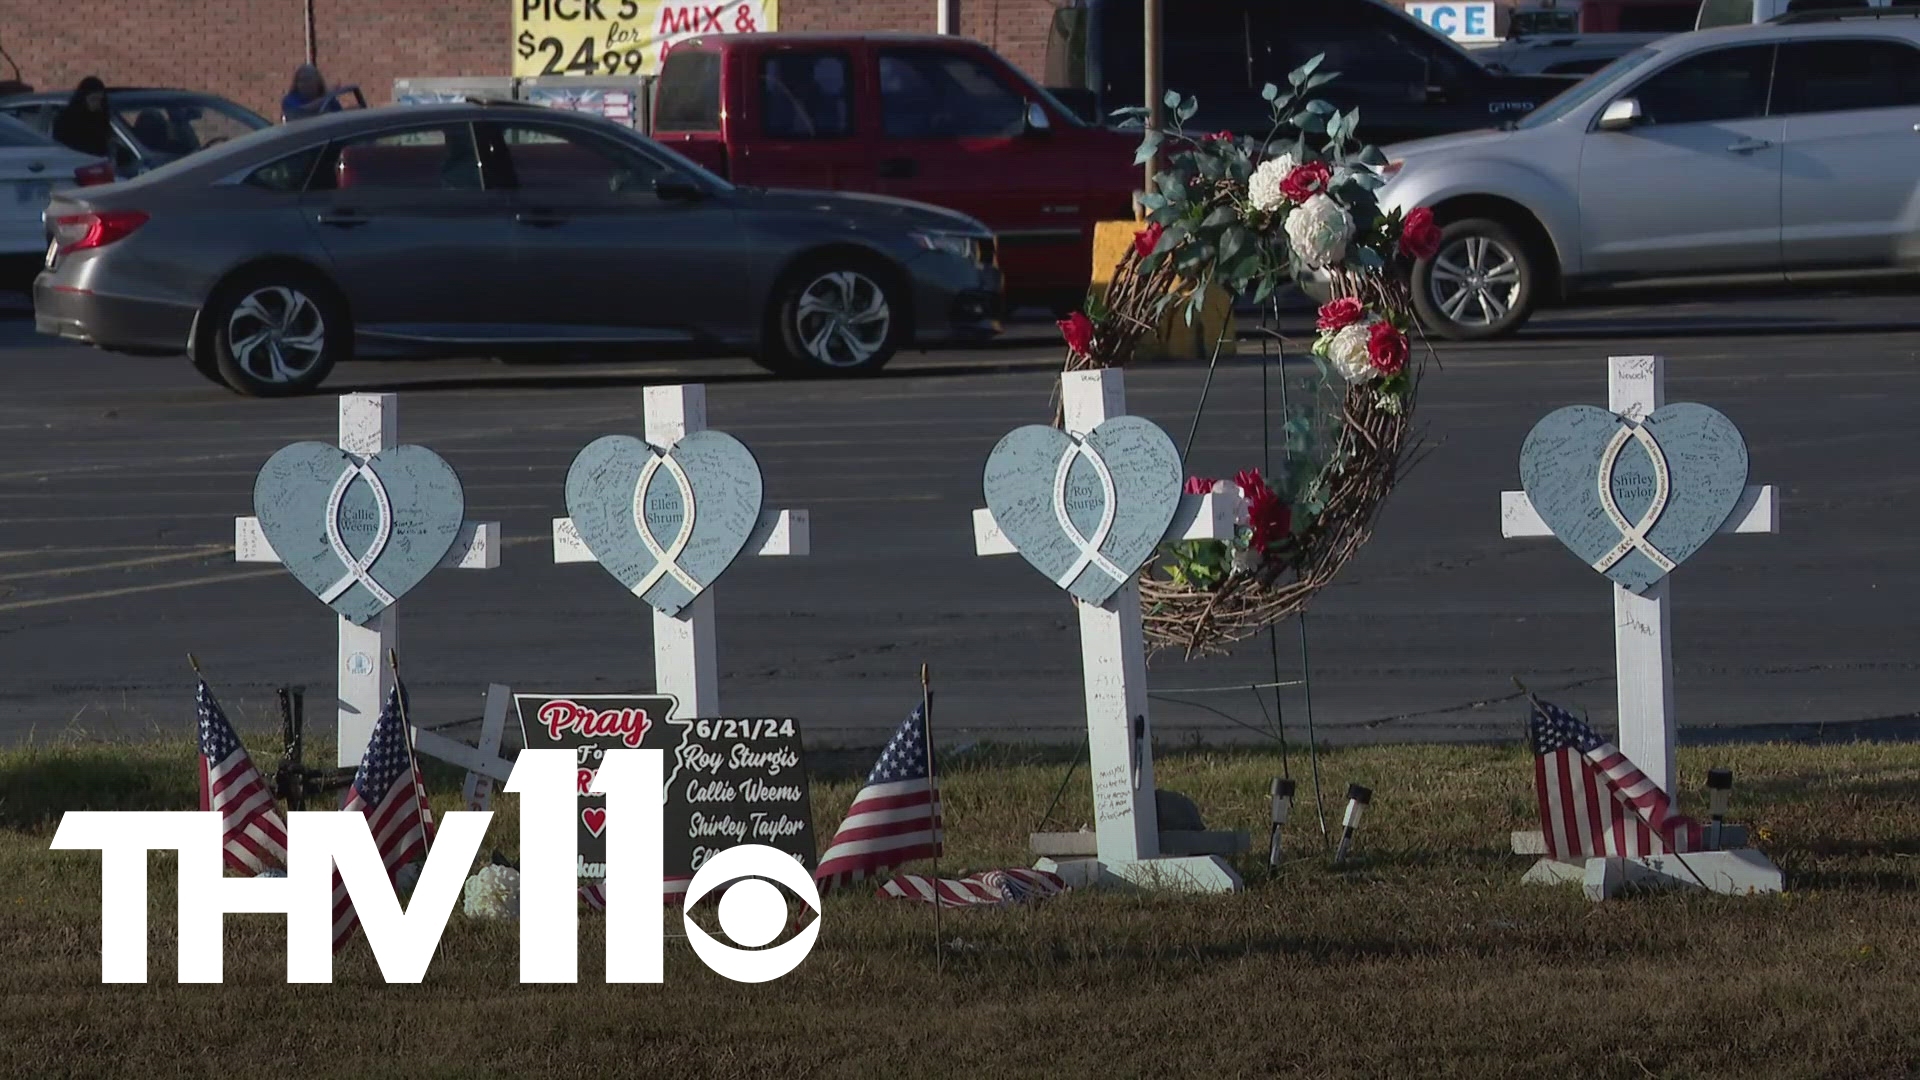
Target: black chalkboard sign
(729, 780)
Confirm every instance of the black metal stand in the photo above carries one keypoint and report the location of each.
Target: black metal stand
(293, 781)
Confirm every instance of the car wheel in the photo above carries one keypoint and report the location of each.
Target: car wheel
(833, 318)
(1479, 285)
(275, 334)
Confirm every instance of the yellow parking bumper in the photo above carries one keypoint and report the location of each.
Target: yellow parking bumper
(1175, 339)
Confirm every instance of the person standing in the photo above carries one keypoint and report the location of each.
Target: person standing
(307, 96)
(85, 124)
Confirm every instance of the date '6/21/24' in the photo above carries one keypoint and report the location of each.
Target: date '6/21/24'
(626, 43)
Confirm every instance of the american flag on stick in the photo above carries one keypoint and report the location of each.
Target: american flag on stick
(254, 834)
(388, 790)
(1593, 801)
(990, 889)
(895, 819)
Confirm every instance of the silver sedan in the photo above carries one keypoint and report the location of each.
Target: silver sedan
(490, 229)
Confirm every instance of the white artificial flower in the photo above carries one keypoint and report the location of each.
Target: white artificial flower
(1347, 352)
(1263, 187)
(406, 878)
(1319, 231)
(493, 893)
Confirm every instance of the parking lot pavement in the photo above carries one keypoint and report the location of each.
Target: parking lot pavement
(120, 478)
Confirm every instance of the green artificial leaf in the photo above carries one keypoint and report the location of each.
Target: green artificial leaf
(1212, 167)
(1300, 74)
(1371, 155)
(1220, 217)
(1269, 92)
(1136, 112)
(1166, 215)
(1171, 100)
(1153, 201)
(1311, 123)
(1320, 79)
(1234, 241)
(1187, 109)
(1149, 146)
(1264, 289)
(1172, 185)
(1319, 107)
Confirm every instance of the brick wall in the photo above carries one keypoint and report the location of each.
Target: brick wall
(247, 49)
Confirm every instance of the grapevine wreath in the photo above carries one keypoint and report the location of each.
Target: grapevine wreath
(1248, 215)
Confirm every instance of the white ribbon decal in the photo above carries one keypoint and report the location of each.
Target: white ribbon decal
(357, 567)
(1634, 535)
(1089, 546)
(666, 560)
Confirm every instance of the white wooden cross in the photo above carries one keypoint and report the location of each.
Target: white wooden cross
(685, 665)
(483, 762)
(1642, 645)
(1114, 668)
(369, 424)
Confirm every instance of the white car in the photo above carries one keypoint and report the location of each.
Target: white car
(32, 168)
(1788, 152)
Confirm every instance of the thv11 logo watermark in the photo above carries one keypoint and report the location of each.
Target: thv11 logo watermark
(751, 911)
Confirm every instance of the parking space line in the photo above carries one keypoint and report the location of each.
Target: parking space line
(118, 564)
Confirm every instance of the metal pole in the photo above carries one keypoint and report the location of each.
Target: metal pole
(944, 18)
(313, 51)
(1152, 79)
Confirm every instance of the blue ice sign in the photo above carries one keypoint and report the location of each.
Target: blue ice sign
(1459, 21)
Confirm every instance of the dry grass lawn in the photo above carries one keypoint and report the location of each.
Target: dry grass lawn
(1424, 957)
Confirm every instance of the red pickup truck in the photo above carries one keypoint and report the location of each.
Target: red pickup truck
(941, 120)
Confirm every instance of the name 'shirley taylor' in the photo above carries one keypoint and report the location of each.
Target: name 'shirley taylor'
(760, 826)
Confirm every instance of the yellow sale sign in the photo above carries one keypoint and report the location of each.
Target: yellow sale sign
(621, 37)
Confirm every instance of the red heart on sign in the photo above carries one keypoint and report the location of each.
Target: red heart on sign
(595, 818)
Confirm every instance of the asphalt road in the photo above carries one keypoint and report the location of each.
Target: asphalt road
(120, 478)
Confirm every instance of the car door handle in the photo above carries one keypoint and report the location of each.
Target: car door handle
(342, 219)
(37, 166)
(540, 220)
(898, 168)
(1748, 146)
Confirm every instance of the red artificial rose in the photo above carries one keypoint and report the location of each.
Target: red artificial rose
(1339, 314)
(1147, 239)
(1221, 136)
(1197, 485)
(1078, 330)
(1387, 348)
(1306, 181)
(1272, 520)
(1419, 236)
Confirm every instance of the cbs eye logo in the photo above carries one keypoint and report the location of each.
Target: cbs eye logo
(752, 912)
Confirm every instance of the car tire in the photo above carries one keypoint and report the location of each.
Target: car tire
(274, 333)
(1481, 284)
(835, 316)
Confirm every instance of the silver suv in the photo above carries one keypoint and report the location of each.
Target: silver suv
(1787, 152)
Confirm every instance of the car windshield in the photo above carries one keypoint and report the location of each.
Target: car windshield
(689, 166)
(179, 126)
(1586, 89)
(15, 133)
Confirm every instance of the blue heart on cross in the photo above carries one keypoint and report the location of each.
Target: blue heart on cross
(665, 525)
(1634, 500)
(358, 532)
(1085, 512)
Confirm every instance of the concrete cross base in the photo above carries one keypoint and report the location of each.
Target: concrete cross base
(1081, 845)
(1741, 872)
(1177, 873)
(1733, 873)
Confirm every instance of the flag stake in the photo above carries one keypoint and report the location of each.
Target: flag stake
(933, 816)
(195, 665)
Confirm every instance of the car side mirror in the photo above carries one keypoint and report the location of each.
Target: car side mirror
(1037, 120)
(678, 189)
(1621, 114)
